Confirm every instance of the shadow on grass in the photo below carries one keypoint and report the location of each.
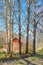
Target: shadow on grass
(39, 55)
(27, 61)
(20, 62)
(22, 57)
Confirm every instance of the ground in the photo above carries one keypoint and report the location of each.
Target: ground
(24, 59)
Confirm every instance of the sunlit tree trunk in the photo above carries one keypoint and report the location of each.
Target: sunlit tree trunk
(5, 20)
(12, 23)
(34, 33)
(19, 23)
(9, 20)
(9, 27)
(27, 30)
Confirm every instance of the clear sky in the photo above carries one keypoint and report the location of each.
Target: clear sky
(23, 10)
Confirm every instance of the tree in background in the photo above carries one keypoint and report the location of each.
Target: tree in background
(28, 22)
(12, 23)
(10, 18)
(19, 24)
(34, 31)
(5, 20)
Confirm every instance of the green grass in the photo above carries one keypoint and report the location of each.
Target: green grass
(38, 55)
(22, 59)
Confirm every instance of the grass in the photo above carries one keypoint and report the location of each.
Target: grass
(22, 59)
(4, 56)
(38, 55)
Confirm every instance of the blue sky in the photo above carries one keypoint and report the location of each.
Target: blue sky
(23, 14)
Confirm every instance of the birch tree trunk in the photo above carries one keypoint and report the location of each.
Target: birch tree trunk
(12, 23)
(5, 20)
(9, 27)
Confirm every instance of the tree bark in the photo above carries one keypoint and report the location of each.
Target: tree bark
(19, 23)
(34, 33)
(5, 20)
(9, 27)
(27, 30)
(12, 23)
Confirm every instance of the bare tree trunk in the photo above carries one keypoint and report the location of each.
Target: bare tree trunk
(19, 23)
(27, 32)
(9, 27)
(12, 37)
(12, 23)
(9, 24)
(34, 33)
(5, 20)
